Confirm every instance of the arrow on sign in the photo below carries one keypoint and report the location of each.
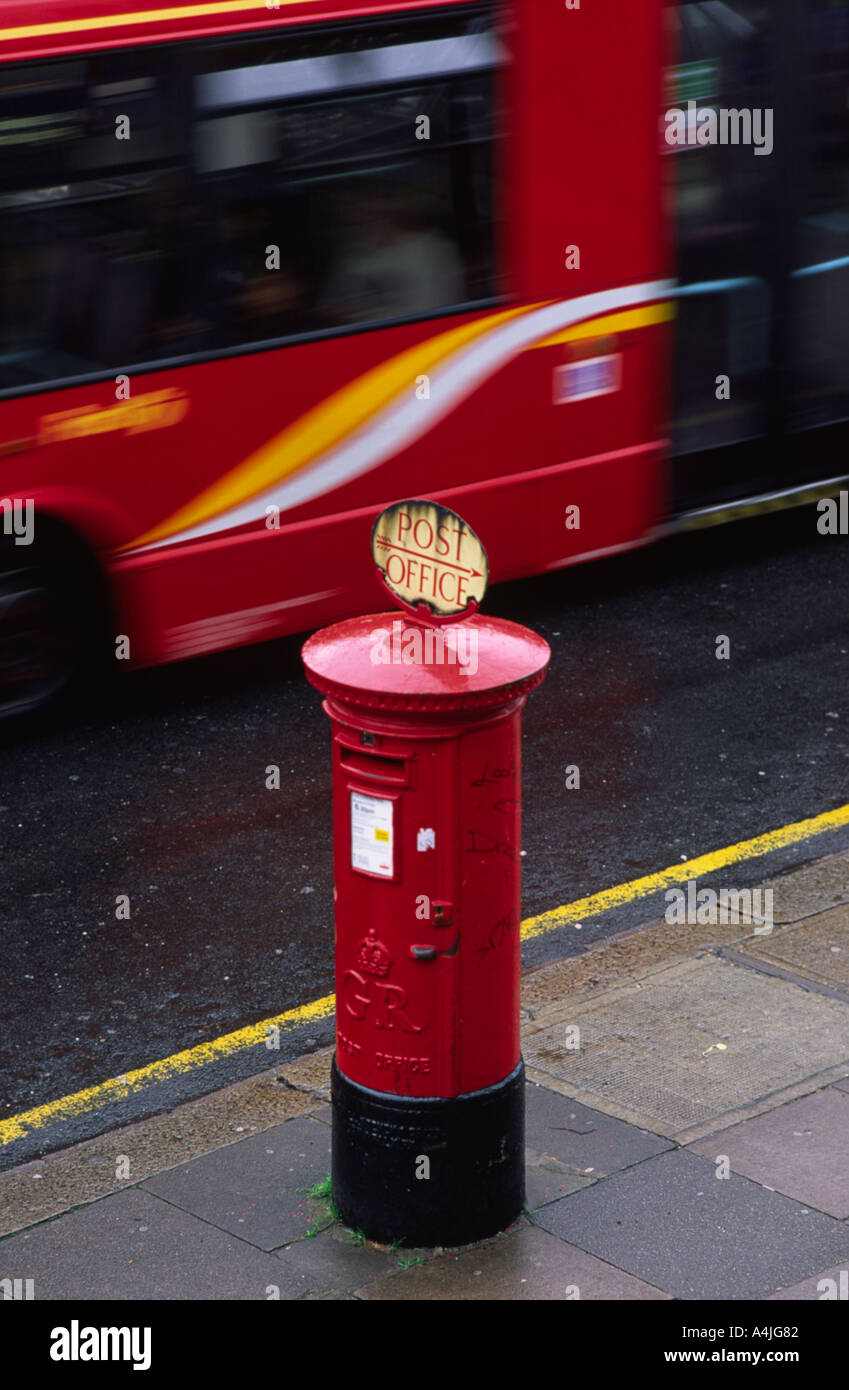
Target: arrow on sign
(385, 544)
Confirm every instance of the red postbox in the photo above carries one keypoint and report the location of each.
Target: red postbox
(428, 1100)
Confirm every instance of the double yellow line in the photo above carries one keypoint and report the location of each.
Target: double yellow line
(120, 1087)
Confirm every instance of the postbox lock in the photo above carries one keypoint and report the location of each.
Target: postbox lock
(442, 912)
(423, 952)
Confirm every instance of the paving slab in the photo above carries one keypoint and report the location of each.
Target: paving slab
(799, 1149)
(332, 1296)
(627, 955)
(254, 1188)
(832, 1286)
(75, 1176)
(132, 1245)
(527, 1263)
(843, 1085)
(589, 1140)
(335, 1262)
(547, 1179)
(806, 891)
(309, 1074)
(671, 1222)
(816, 949)
(686, 1047)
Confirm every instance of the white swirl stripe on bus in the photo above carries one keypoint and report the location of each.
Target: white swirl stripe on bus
(403, 422)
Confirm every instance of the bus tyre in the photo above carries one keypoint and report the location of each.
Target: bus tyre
(52, 624)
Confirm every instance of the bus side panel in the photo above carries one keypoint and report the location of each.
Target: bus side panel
(200, 454)
(589, 216)
(588, 145)
(263, 582)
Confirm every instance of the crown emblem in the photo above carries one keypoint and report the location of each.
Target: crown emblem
(372, 956)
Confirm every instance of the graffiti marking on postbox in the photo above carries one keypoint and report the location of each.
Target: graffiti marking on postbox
(427, 554)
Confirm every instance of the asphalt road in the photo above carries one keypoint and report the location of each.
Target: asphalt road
(157, 791)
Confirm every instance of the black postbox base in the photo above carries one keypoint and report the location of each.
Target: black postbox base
(472, 1185)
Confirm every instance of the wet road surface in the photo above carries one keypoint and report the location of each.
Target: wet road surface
(157, 791)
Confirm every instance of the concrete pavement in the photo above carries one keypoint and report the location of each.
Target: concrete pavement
(687, 1132)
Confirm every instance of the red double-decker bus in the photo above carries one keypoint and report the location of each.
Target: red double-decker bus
(267, 267)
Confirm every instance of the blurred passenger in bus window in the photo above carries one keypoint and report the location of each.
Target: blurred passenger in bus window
(259, 302)
(388, 261)
(178, 241)
(23, 307)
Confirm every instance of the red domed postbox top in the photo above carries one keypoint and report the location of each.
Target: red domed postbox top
(389, 661)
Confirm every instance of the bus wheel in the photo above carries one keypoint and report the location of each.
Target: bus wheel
(51, 623)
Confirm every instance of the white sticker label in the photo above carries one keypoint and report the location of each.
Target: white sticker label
(595, 376)
(372, 836)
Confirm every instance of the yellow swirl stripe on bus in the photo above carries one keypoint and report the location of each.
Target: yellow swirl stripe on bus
(613, 323)
(326, 424)
(379, 414)
(154, 16)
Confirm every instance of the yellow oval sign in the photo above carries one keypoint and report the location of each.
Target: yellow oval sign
(427, 554)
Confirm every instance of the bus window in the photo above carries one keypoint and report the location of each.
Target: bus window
(820, 290)
(723, 192)
(348, 175)
(166, 204)
(91, 200)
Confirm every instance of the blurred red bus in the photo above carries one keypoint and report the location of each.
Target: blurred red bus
(265, 268)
